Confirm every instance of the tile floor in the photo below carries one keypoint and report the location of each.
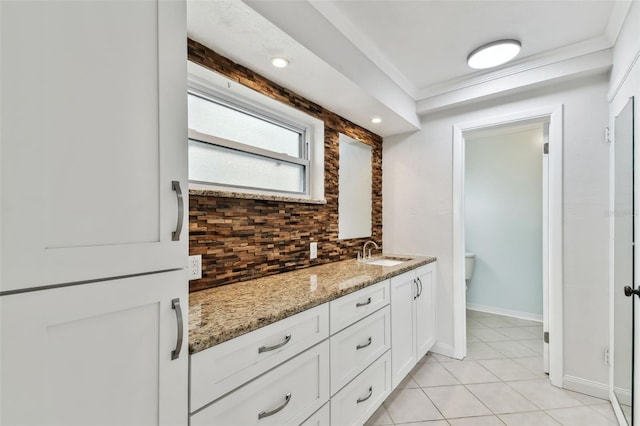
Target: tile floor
(501, 382)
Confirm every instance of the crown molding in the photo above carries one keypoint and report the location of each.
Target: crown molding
(587, 64)
(541, 60)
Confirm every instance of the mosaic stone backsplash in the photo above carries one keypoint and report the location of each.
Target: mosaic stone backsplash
(242, 239)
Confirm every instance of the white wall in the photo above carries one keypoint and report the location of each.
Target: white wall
(503, 220)
(417, 205)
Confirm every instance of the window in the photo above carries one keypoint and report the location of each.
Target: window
(237, 146)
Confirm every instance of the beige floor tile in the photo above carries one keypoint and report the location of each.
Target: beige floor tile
(580, 416)
(509, 370)
(487, 334)
(495, 321)
(534, 363)
(474, 324)
(379, 418)
(470, 372)
(500, 398)
(429, 357)
(471, 339)
(431, 423)
(542, 393)
(430, 374)
(477, 314)
(456, 401)
(536, 345)
(535, 418)
(411, 405)
(481, 350)
(520, 333)
(512, 349)
(407, 383)
(477, 421)
(519, 322)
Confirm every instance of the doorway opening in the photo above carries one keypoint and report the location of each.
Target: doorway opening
(550, 121)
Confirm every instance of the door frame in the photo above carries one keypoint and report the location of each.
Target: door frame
(553, 114)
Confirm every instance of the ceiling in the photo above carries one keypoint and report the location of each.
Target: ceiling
(402, 59)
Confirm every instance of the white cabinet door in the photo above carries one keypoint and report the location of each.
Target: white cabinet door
(93, 113)
(425, 310)
(95, 354)
(403, 349)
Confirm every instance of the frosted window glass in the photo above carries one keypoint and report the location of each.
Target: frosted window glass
(211, 118)
(224, 166)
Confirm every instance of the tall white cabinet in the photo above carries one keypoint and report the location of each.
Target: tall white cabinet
(93, 214)
(413, 319)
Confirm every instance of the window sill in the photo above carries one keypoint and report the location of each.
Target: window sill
(247, 196)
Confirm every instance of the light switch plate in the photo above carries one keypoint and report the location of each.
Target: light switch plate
(195, 267)
(313, 251)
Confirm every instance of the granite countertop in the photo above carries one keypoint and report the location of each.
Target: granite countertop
(222, 313)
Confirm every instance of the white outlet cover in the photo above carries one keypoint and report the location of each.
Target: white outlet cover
(313, 251)
(195, 267)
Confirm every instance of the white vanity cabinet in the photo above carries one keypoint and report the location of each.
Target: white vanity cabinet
(413, 318)
(93, 138)
(106, 353)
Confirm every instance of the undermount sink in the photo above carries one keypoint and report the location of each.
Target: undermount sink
(388, 261)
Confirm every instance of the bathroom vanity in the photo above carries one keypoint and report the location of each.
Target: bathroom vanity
(313, 346)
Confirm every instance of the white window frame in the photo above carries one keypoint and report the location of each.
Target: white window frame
(216, 88)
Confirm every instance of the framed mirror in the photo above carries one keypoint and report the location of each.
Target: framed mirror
(623, 255)
(355, 188)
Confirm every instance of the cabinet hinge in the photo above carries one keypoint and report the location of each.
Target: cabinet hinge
(546, 337)
(607, 135)
(546, 148)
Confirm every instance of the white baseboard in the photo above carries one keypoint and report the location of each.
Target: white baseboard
(443, 349)
(587, 387)
(505, 312)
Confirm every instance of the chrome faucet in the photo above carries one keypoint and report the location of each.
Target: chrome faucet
(364, 249)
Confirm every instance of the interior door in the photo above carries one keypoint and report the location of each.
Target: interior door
(623, 263)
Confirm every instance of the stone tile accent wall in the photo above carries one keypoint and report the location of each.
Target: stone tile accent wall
(242, 239)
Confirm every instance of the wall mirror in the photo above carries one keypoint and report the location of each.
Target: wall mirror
(355, 187)
(623, 265)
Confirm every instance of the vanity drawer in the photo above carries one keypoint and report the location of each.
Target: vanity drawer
(286, 395)
(357, 401)
(355, 347)
(224, 367)
(355, 306)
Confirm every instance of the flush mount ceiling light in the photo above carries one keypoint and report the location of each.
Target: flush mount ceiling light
(279, 62)
(376, 120)
(493, 54)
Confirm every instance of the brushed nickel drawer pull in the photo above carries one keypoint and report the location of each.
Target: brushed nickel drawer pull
(359, 400)
(175, 235)
(365, 345)
(264, 414)
(420, 282)
(175, 305)
(360, 304)
(287, 338)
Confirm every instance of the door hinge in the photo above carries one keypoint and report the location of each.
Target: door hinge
(546, 148)
(546, 337)
(606, 357)
(607, 135)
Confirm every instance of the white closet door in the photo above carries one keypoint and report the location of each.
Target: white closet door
(93, 132)
(95, 354)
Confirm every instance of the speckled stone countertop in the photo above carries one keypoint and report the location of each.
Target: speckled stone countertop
(222, 313)
(195, 190)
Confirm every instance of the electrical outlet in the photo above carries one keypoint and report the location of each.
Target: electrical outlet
(195, 267)
(313, 251)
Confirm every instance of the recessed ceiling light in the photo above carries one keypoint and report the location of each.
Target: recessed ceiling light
(494, 54)
(279, 62)
(376, 120)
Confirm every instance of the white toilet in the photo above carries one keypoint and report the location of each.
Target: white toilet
(469, 263)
